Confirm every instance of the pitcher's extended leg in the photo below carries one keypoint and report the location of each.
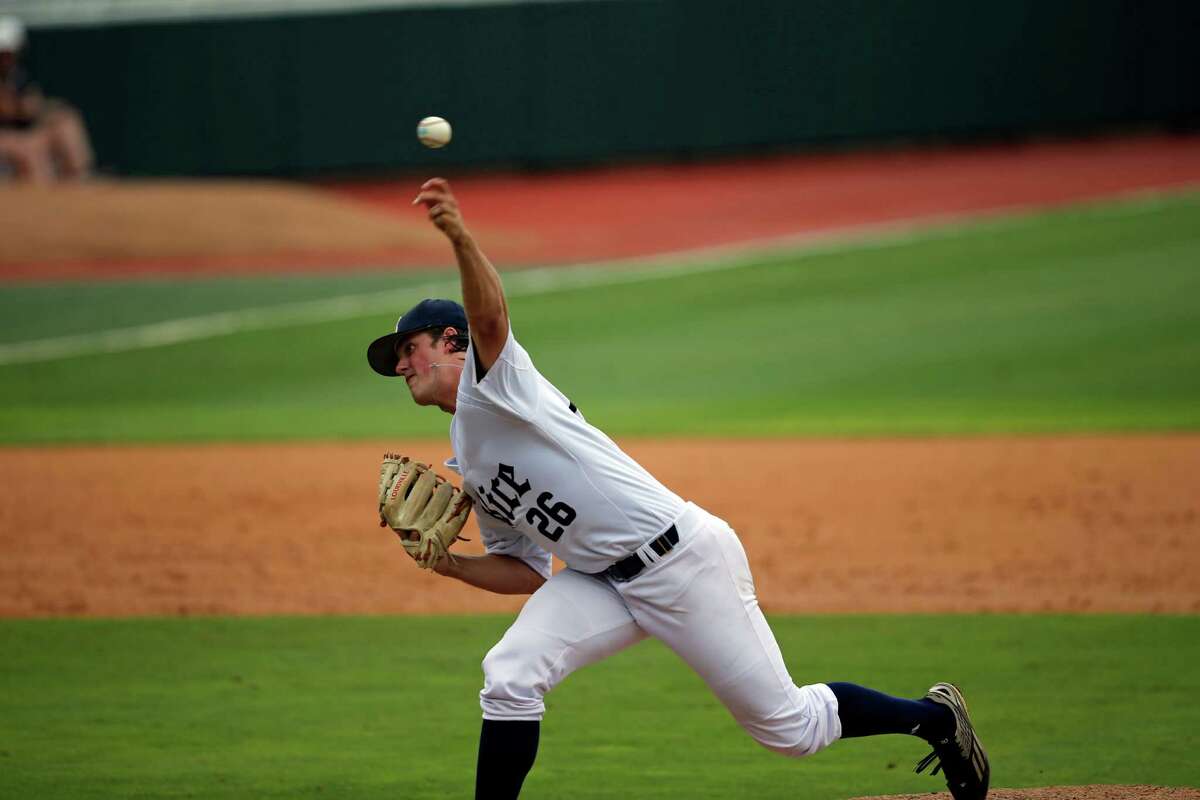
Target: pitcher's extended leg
(700, 602)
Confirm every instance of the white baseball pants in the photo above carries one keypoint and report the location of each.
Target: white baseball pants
(699, 600)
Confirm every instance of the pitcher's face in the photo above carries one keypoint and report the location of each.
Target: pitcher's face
(431, 368)
(416, 355)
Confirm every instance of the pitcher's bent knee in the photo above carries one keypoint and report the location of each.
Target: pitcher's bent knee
(809, 723)
(513, 686)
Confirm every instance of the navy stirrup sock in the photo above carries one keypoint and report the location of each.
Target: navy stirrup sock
(866, 712)
(507, 749)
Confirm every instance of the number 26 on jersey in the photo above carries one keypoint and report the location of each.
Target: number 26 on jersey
(502, 498)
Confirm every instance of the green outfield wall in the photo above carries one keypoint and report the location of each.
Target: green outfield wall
(552, 84)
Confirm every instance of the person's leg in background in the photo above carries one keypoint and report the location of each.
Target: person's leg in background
(27, 152)
(69, 142)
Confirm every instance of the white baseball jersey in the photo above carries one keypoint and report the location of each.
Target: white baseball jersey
(544, 480)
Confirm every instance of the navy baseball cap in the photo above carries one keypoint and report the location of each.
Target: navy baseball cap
(381, 354)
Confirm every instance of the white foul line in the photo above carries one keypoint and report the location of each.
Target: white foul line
(541, 281)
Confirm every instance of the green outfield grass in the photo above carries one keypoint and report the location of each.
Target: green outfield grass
(387, 707)
(1077, 320)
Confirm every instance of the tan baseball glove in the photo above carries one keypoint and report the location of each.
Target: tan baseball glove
(425, 509)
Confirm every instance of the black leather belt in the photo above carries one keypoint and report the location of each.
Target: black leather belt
(628, 568)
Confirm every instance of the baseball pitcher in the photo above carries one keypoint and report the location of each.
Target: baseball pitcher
(640, 560)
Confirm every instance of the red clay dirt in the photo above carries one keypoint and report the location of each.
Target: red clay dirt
(620, 213)
(126, 229)
(1072, 524)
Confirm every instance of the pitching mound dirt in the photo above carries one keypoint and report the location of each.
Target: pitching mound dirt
(184, 226)
(1068, 793)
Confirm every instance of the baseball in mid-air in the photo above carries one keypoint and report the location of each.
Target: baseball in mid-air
(433, 132)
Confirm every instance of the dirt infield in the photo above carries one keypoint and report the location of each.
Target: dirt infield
(1074, 524)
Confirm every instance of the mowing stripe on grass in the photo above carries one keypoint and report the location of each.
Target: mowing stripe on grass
(552, 279)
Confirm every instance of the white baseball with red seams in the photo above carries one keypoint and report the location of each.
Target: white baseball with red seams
(434, 132)
(547, 482)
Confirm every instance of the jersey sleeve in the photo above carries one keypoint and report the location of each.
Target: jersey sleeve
(505, 541)
(511, 384)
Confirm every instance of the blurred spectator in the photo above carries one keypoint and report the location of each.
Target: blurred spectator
(42, 139)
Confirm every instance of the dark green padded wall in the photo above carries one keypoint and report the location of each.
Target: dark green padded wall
(551, 84)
